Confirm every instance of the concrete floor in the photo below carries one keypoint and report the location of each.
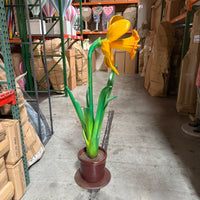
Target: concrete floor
(148, 155)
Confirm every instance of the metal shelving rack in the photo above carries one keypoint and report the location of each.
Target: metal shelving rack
(102, 3)
(24, 40)
(187, 17)
(5, 48)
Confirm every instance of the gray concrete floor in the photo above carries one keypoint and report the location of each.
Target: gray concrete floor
(148, 155)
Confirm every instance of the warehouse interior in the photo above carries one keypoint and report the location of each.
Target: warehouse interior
(100, 100)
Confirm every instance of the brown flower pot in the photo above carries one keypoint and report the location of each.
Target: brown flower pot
(92, 173)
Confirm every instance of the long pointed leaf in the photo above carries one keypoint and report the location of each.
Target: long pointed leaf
(100, 110)
(108, 100)
(77, 108)
(87, 98)
(89, 122)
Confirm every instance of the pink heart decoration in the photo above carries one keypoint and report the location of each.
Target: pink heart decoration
(108, 10)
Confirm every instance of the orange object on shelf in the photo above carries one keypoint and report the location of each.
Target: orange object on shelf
(107, 3)
(14, 40)
(95, 33)
(7, 97)
(74, 37)
(178, 18)
(190, 4)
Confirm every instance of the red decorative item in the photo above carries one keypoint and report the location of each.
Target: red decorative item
(7, 97)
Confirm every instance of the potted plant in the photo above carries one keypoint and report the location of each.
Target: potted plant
(92, 173)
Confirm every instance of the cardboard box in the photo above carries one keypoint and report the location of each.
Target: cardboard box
(16, 60)
(129, 64)
(33, 146)
(36, 27)
(120, 57)
(13, 135)
(29, 135)
(3, 173)
(4, 147)
(172, 9)
(2, 133)
(2, 164)
(70, 53)
(93, 60)
(16, 175)
(7, 192)
(123, 61)
(67, 29)
(3, 178)
(187, 92)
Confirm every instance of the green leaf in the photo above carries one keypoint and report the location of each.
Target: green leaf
(109, 99)
(89, 122)
(87, 98)
(100, 111)
(77, 108)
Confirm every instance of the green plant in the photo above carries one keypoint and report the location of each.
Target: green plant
(91, 125)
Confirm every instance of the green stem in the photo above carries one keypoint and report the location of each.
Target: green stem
(97, 43)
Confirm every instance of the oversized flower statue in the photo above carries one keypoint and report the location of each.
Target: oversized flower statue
(91, 125)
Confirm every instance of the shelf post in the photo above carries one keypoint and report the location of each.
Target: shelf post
(81, 22)
(25, 47)
(63, 46)
(5, 46)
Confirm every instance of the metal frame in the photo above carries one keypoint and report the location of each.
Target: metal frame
(5, 47)
(63, 42)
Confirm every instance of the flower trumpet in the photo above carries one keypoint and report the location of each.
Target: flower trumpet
(116, 29)
(91, 125)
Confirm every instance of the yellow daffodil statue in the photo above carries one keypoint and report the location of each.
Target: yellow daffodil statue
(92, 125)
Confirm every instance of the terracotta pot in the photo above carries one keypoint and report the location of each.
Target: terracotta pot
(92, 173)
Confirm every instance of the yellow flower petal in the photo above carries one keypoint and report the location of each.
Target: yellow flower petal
(109, 64)
(106, 48)
(128, 44)
(117, 29)
(114, 19)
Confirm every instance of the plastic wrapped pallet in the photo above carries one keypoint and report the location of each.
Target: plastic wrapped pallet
(33, 146)
(187, 92)
(56, 76)
(157, 73)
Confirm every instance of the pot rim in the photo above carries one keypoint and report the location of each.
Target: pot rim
(92, 162)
